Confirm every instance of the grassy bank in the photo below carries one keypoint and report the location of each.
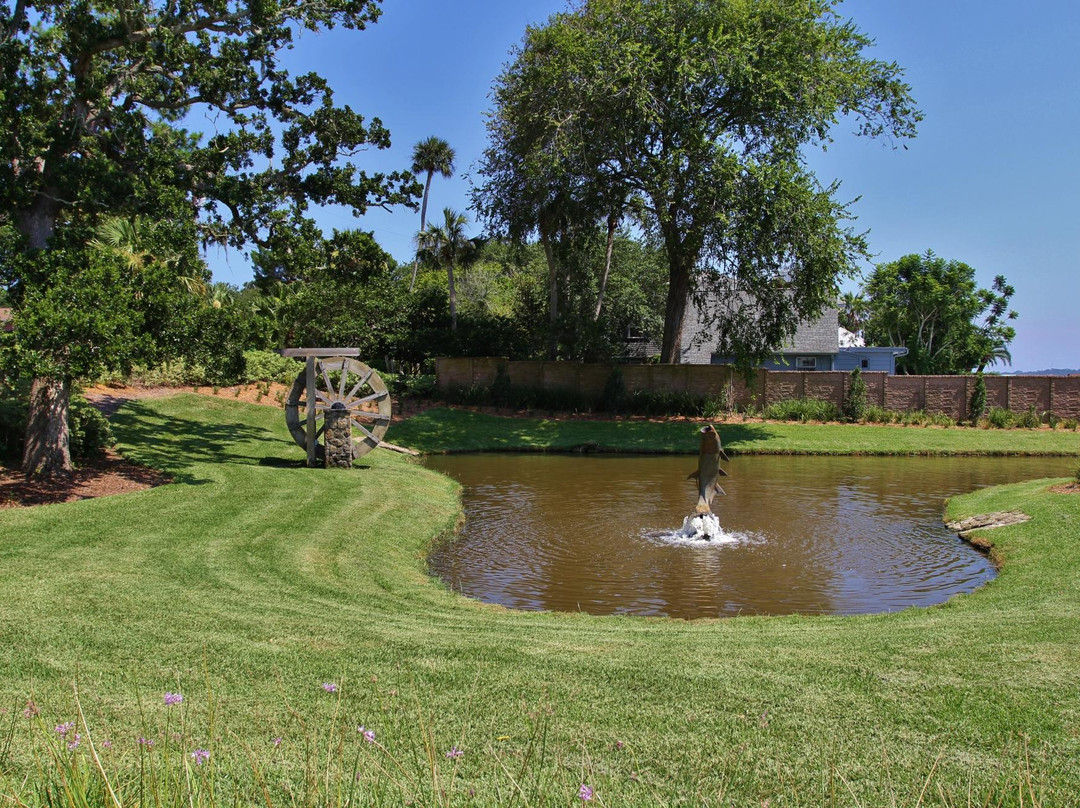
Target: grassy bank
(252, 582)
(452, 430)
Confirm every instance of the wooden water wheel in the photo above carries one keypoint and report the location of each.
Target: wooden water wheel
(332, 379)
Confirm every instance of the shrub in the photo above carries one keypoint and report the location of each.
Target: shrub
(914, 418)
(941, 419)
(855, 403)
(1029, 419)
(267, 366)
(12, 428)
(177, 373)
(89, 432)
(880, 415)
(614, 396)
(1071, 424)
(502, 391)
(977, 405)
(801, 409)
(1000, 418)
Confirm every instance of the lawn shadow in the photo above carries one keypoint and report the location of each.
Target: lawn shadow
(173, 444)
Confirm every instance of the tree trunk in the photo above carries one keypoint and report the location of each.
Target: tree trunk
(38, 222)
(612, 223)
(553, 291)
(679, 270)
(453, 296)
(47, 452)
(423, 224)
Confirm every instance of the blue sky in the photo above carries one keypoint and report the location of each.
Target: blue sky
(993, 178)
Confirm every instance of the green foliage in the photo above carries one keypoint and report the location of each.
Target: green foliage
(77, 315)
(1029, 419)
(669, 402)
(880, 415)
(934, 308)
(855, 402)
(501, 388)
(90, 432)
(801, 409)
(353, 296)
(267, 366)
(1070, 424)
(977, 405)
(613, 399)
(1001, 418)
(12, 427)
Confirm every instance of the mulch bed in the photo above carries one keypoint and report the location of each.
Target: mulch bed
(100, 477)
(1066, 488)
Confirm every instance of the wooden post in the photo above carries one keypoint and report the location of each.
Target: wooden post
(311, 411)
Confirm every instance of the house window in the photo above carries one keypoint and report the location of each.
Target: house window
(865, 363)
(805, 363)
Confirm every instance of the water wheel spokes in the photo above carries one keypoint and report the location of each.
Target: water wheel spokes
(341, 383)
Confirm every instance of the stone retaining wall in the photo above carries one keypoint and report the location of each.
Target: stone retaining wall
(945, 394)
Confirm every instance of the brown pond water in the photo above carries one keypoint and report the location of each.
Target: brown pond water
(811, 535)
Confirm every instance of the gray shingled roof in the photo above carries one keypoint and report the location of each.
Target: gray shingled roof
(820, 336)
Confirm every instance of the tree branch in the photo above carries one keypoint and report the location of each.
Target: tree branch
(17, 19)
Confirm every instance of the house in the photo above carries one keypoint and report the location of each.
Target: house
(817, 345)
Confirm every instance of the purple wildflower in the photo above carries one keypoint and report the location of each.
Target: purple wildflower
(106, 744)
(73, 744)
(200, 756)
(585, 793)
(64, 729)
(329, 687)
(31, 709)
(619, 745)
(455, 753)
(145, 741)
(173, 698)
(277, 741)
(369, 734)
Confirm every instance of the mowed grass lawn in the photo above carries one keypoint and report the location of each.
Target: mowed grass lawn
(455, 430)
(251, 582)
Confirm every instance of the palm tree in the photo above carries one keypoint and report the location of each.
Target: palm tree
(447, 247)
(432, 155)
(128, 239)
(995, 352)
(854, 309)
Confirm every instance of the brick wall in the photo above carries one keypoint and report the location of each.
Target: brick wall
(946, 394)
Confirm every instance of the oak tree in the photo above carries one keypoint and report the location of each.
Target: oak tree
(697, 112)
(94, 99)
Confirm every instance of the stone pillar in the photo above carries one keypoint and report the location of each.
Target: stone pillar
(337, 437)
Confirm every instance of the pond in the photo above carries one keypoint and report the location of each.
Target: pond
(809, 535)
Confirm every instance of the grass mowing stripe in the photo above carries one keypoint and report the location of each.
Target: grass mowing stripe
(257, 580)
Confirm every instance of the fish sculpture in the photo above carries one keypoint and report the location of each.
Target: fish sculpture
(708, 471)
